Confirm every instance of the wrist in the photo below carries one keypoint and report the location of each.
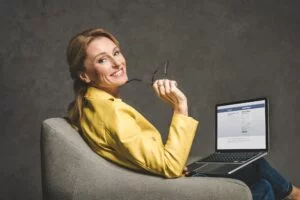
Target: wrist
(182, 109)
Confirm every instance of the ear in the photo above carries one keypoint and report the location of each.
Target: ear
(84, 77)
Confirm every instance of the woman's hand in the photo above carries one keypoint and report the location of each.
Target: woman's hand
(185, 171)
(167, 90)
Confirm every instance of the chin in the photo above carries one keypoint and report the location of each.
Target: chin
(124, 81)
(115, 81)
(121, 82)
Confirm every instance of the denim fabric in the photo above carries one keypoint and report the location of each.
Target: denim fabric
(262, 190)
(265, 182)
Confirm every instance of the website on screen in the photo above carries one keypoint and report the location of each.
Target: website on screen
(242, 126)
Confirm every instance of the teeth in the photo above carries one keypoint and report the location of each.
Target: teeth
(118, 73)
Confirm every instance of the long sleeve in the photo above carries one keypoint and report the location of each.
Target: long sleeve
(127, 138)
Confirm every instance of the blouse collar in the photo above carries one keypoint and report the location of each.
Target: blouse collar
(96, 93)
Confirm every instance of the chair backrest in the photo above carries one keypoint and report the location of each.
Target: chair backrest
(69, 166)
(61, 147)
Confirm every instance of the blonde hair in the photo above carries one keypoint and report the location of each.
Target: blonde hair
(76, 55)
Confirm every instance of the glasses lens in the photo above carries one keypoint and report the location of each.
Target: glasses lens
(161, 72)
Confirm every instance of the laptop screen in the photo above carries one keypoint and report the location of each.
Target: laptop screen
(242, 125)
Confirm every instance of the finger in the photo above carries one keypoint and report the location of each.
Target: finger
(185, 171)
(161, 87)
(167, 95)
(155, 87)
(167, 86)
(173, 85)
(173, 91)
(158, 86)
(173, 82)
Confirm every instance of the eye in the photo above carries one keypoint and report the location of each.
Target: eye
(101, 60)
(116, 53)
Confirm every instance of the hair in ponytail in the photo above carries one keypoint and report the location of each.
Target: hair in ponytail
(76, 55)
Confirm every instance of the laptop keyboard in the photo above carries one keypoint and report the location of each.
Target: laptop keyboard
(229, 157)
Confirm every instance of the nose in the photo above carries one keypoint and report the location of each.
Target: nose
(116, 63)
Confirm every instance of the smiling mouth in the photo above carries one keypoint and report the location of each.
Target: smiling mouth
(118, 73)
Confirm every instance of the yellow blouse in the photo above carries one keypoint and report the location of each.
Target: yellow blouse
(121, 134)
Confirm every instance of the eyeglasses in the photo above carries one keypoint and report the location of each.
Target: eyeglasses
(164, 70)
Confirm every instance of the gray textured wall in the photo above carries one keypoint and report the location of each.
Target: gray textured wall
(219, 51)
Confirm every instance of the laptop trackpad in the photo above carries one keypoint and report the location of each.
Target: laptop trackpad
(215, 168)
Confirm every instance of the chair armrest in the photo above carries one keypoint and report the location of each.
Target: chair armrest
(124, 184)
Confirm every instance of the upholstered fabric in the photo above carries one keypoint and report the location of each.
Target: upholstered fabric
(71, 170)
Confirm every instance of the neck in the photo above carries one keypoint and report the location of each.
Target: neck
(113, 91)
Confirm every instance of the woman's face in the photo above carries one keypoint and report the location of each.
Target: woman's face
(105, 65)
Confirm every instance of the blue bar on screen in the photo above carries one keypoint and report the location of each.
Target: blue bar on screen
(241, 108)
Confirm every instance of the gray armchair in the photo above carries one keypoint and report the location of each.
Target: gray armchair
(71, 170)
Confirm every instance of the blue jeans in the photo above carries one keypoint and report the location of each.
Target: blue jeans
(265, 182)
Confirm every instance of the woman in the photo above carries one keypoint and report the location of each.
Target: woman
(118, 132)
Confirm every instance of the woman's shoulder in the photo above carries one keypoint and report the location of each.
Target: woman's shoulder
(109, 106)
(101, 104)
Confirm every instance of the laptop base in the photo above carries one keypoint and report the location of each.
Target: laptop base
(213, 169)
(218, 168)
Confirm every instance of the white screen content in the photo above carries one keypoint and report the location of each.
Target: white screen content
(242, 126)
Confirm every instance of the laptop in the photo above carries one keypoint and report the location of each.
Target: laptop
(241, 137)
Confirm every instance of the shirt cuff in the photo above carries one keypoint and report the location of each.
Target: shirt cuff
(183, 120)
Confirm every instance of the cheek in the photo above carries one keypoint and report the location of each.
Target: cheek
(123, 58)
(101, 71)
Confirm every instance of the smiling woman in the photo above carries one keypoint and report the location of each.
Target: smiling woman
(114, 129)
(118, 132)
